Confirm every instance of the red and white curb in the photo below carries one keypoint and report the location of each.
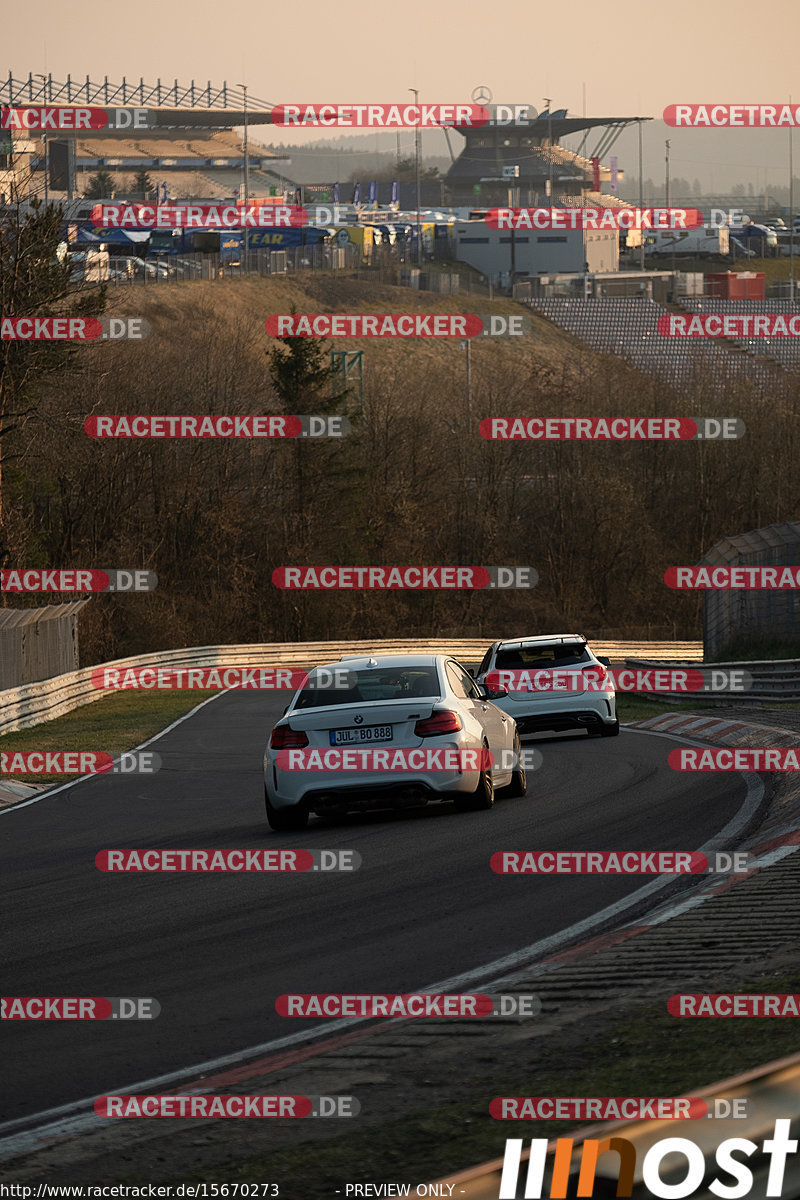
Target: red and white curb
(713, 729)
(764, 852)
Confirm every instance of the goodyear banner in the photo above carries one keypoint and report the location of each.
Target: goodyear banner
(285, 239)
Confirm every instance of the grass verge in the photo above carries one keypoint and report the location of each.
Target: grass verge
(116, 723)
(632, 708)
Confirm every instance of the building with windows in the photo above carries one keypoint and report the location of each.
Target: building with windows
(496, 253)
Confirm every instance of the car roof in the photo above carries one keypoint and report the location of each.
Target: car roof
(540, 640)
(392, 660)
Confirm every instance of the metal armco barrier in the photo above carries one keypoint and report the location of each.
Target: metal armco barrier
(776, 682)
(23, 707)
(772, 1090)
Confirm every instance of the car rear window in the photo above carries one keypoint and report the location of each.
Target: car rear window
(553, 655)
(378, 683)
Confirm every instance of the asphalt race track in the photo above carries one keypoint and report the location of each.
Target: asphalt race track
(216, 949)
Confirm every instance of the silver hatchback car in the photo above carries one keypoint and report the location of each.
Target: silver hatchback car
(568, 686)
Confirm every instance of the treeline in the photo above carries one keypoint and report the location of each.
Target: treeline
(411, 484)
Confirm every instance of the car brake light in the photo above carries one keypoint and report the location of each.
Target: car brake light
(595, 674)
(286, 738)
(438, 722)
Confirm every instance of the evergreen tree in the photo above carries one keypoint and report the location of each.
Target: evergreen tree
(100, 186)
(142, 183)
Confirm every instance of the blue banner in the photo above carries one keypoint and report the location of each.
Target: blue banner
(285, 239)
(231, 244)
(357, 195)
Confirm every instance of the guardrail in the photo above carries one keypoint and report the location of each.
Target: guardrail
(772, 1092)
(28, 705)
(777, 682)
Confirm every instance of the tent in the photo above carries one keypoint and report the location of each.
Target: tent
(124, 237)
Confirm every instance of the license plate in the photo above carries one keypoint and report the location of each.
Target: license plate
(367, 733)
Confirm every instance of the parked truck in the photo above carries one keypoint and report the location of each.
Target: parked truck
(709, 241)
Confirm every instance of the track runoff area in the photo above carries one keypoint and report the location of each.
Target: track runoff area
(385, 325)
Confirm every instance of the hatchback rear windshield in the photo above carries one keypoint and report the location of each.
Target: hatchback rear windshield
(544, 655)
(379, 683)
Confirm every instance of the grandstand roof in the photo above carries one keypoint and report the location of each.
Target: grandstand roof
(545, 126)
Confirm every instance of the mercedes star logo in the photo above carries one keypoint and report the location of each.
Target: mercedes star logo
(482, 94)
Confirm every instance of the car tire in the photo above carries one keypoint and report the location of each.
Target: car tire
(483, 796)
(519, 779)
(610, 730)
(283, 820)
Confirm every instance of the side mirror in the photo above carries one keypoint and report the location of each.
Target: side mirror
(605, 661)
(471, 671)
(495, 693)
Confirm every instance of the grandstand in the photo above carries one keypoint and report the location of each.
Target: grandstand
(532, 147)
(627, 327)
(785, 350)
(203, 164)
(190, 143)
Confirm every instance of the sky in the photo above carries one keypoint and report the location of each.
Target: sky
(631, 61)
